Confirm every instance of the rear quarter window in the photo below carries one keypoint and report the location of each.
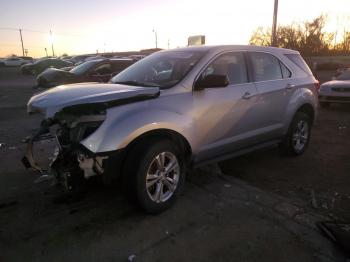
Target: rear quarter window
(285, 71)
(299, 61)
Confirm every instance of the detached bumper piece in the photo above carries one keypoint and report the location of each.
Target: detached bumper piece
(28, 158)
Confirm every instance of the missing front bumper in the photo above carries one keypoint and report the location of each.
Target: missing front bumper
(68, 167)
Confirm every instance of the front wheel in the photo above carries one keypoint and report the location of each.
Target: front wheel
(298, 136)
(155, 175)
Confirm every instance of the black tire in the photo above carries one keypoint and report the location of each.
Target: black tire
(134, 174)
(325, 104)
(287, 146)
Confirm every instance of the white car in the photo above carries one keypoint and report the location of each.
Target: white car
(15, 61)
(337, 90)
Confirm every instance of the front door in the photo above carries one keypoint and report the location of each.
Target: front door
(224, 116)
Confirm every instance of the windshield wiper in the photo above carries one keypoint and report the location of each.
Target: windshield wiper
(135, 83)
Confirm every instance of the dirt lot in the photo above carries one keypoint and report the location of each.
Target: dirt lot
(260, 206)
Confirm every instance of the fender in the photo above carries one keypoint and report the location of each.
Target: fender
(301, 96)
(124, 124)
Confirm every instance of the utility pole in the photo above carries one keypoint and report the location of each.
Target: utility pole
(46, 52)
(168, 43)
(274, 25)
(20, 33)
(53, 52)
(156, 36)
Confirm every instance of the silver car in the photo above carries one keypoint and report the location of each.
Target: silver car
(337, 90)
(174, 110)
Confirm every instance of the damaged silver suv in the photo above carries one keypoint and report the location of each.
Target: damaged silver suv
(173, 110)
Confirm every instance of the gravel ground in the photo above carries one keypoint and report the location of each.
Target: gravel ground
(324, 169)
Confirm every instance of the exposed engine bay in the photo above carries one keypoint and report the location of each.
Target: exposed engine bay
(71, 162)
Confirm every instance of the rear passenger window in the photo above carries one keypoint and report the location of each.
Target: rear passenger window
(266, 67)
(230, 64)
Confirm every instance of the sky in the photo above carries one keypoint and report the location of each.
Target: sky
(84, 26)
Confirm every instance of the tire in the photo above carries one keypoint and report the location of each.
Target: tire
(142, 166)
(325, 104)
(298, 136)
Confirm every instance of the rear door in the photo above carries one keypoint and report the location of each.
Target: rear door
(275, 86)
(223, 116)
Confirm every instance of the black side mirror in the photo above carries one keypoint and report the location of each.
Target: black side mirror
(211, 81)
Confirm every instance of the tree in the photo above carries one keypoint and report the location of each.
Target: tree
(309, 38)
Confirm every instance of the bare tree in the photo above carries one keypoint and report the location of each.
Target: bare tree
(309, 38)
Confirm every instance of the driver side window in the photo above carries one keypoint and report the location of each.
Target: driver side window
(231, 65)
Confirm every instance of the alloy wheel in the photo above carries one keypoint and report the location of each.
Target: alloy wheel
(162, 177)
(300, 135)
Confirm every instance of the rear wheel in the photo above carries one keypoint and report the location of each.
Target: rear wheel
(298, 136)
(154, 175)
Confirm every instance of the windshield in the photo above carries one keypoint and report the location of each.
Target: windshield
(345, 75)
(83, 68)
(163, 69)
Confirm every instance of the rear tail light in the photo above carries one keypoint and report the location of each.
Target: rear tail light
(317, 85)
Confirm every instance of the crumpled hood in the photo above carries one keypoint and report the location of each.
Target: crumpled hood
(55, 99)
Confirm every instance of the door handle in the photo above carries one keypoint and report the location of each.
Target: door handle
(289, 86)
(247, 95)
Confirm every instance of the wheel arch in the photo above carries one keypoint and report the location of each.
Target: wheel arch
(308, 109)
(163, 133)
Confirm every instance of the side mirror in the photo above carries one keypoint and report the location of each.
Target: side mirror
(211, 81)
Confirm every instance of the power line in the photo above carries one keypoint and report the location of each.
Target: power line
(40, 32)
(19, 45)
(9, 28)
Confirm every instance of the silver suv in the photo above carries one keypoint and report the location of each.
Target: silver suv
(173, 110)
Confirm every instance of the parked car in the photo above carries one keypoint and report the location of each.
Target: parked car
(92, 71)
(66, 57)
(97, 57)
(15, 61)
(177, 109)
(41, 65)
(79, 58)
(27, 58)
(337, 90)
(137, 57)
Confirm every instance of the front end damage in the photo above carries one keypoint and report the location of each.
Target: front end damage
(71, 163)
(72, 114)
